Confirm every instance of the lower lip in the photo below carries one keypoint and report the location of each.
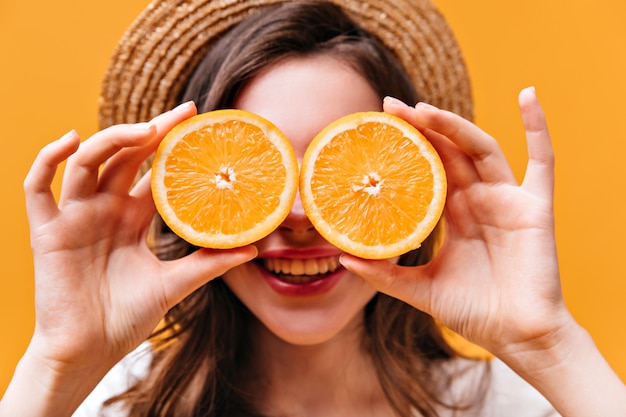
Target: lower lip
(317, 287)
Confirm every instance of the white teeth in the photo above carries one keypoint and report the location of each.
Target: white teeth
(297, 267)
(311, 267)
(314, 266)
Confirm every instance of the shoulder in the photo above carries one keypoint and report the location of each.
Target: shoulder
(503, 392)
(121, 377)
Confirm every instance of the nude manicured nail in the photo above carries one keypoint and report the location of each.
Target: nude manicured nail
(142, 126)
(393, 101)
(425, 105)
(183, 107)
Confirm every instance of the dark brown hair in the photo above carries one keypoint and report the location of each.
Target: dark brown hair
(201, 348)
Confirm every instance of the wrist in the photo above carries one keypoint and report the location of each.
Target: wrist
(545, 351)
(569, 370)
(44, 387)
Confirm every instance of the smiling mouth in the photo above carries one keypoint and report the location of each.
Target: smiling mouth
(301, 271)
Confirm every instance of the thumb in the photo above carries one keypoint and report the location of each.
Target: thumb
(407, 283)
(185, 275)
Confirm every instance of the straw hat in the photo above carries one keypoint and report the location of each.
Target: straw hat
(157, 54)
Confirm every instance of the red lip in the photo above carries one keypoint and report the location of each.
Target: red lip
(316, 287)
(300, 253)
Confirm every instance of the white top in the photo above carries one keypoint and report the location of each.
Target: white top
(508, 396)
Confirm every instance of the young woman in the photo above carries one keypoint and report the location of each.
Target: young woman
(238, 337)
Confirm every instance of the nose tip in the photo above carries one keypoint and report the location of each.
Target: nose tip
(297, 221)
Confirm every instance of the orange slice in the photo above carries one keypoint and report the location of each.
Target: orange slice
(372, 185)
(224, 179)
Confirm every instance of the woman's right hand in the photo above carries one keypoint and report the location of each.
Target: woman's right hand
(99, 290)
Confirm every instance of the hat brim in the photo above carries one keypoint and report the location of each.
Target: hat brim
(158, 52)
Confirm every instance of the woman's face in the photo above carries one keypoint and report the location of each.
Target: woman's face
(296, 287)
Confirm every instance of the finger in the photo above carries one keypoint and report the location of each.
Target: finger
(539, 177)
(166, 121)
(120, 171)
(81, 172)
(484, 151)
(141, 188)
(404, 283)
(144, 202)
(187, 274)
(40, 202)
(459, 167)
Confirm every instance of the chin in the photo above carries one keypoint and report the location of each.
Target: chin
(312, 332)
(298, 311)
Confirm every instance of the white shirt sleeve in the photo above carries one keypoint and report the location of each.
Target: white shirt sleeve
(119, 379)
(511, 396)
(506, 395)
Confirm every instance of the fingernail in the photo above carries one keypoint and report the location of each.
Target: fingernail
(184, 106)
(426, 106)
(343, 259)
(527, 92)
(253, 245)
(143, 126)
(393, 101)
(69, 135)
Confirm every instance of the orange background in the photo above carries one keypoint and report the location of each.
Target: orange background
(54, 54)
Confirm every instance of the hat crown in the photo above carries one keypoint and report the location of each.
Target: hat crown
(158, 52)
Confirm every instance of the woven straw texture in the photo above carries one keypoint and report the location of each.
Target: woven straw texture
(158, 52)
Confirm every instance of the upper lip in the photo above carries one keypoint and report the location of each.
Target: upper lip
(299, 253)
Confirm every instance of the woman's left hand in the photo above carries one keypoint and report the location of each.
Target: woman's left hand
(496, 279)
